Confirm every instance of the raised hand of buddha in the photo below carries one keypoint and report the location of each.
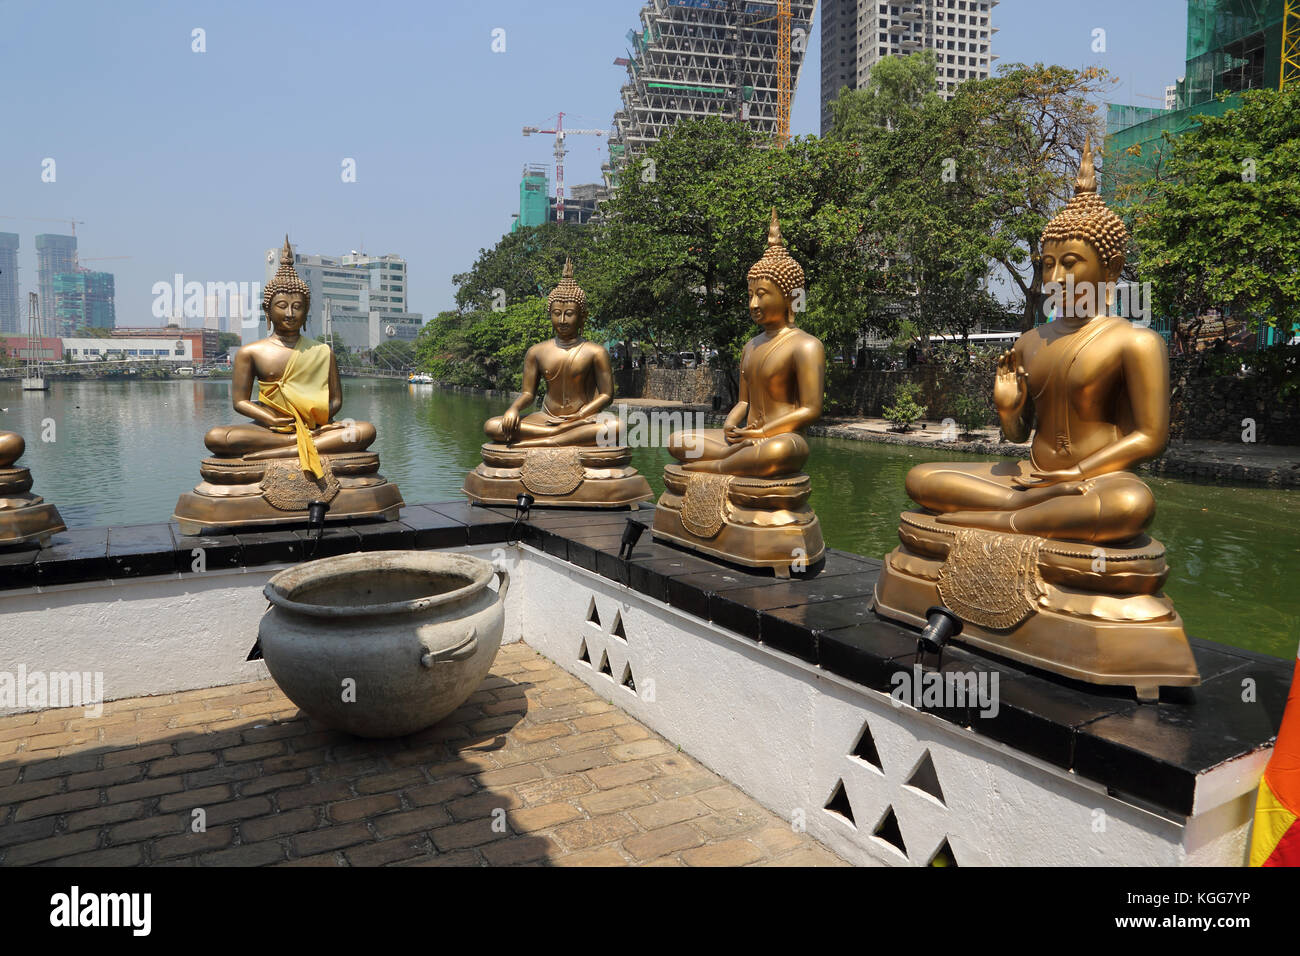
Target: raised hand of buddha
(1011, 384)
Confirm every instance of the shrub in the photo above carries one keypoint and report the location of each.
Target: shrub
(905, 410)
(972, 413)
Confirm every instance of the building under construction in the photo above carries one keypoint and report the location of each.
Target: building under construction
(1232, 46)
(55, 255)
(690, 59)
(83, 299)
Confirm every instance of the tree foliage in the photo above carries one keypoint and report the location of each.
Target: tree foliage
(1220, 227)
(684, 229)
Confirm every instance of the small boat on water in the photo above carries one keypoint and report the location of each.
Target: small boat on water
(420, 378)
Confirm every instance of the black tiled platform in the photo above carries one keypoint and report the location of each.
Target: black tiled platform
(139, 550)
(1150, 753)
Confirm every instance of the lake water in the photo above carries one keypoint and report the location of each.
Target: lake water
(124, 451)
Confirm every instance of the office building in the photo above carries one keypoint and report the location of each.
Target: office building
(201, 345)
(367, 297)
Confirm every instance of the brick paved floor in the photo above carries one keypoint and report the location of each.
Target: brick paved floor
(534, 769)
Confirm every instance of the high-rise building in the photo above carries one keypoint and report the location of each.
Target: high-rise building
(695, 58)
(367, 296)
(11, 319)
(82, 299)
(858, 34)
(54, 255)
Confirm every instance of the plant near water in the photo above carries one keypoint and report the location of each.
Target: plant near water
(905, 411)
(972, 413)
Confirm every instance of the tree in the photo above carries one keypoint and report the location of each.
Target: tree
(1021, 134)
(394, 354)
(896, 86)
(522, 264)
(482, 349)
(1220, 229)
(928, 203)
(684, 228)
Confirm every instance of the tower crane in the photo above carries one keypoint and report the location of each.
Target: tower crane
(1290, 45)
(784, 17)
(560, 151)
(74, 223)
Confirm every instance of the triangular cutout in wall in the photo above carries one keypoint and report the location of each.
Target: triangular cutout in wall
(839, 803)
(865, 748)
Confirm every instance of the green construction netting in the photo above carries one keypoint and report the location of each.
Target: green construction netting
(1232, 45)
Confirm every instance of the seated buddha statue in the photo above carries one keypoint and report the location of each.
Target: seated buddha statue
(1091, 391)
(24, 517)
(292, 451)
(738, 492)
(567, 453)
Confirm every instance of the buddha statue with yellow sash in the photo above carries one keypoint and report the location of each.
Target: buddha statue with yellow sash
(738, 492)
(1046, 560)
(566, 454)
(24, 517)
(293, 452)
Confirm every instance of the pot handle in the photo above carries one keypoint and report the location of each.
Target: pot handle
(466, 649)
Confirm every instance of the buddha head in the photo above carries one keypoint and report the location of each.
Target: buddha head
(773, 280)
(567, 304)
(1083, 247)
(286, 298)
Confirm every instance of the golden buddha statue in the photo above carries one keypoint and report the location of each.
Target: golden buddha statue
(252, 478)
(738, 492)
(568, 453)
(24, 517)
(1045, 560)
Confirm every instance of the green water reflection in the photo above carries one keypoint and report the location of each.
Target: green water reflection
(123, 452)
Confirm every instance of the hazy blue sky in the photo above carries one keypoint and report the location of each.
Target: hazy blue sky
(198, 162)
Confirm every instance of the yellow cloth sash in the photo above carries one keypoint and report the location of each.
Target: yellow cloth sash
(303, 392)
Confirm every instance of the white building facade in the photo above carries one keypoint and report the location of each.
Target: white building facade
(367, 297)
(178, 350)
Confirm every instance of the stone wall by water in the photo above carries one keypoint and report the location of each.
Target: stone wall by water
(1203, 405)
(1213, 407)
(691, 386)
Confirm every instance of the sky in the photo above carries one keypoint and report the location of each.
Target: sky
(197, 162)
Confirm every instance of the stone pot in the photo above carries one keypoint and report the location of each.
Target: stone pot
(383, 643)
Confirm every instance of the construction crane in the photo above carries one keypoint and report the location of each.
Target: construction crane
(1290, 45)
(78, 261)
(784, 17)
(74, 223)
(560, 151)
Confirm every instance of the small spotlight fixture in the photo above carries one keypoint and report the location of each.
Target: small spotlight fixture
(632, 532)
